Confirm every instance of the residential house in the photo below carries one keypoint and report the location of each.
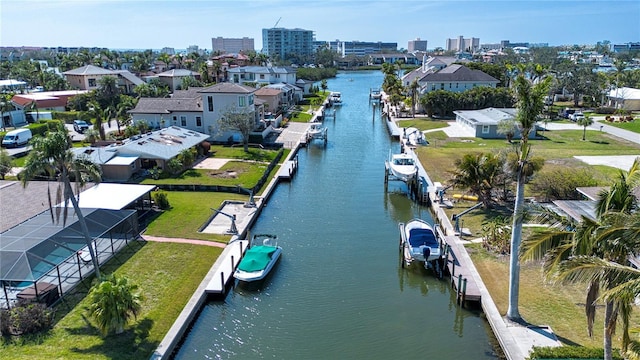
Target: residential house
(174, 77)
(88, 78)
(430, 65)
(456, 78)
(271, 98)
(199, 109)
(262, 75)
(484, 123)
(121, 160)
(48, 100)
(624, 98)
(289, 96)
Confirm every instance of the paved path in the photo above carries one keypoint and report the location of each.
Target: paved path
(183, 241)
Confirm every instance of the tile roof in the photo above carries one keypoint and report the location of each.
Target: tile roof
(89, 70)
(165, 106)
(457, 72)
(190, 93)
(228, 88)
(266, 91)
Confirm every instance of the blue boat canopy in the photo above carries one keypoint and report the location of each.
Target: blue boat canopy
(419, 237)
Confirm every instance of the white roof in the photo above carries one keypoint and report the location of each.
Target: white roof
(488, 116)
(625, 93)
(122, 160)
(111, 196)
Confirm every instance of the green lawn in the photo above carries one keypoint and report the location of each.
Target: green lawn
(167, 275)
(541, 303)
(189, 211)
(233, 173)
(237, 152)
(631, 126)
(423, 124)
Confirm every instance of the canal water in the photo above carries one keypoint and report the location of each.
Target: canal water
(339, 290)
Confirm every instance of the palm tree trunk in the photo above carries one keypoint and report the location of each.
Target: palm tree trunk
(514, 261)
(81, 220)
(608, 331)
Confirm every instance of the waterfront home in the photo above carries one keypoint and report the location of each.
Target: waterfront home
(121, 160)
(484, 123)
(200, 109)
(455, 78)
(262, 75)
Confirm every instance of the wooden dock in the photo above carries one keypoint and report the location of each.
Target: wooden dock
(223, 272)
(459, 266)
(288, 169)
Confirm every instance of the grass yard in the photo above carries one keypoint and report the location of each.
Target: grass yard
(233, 173)
(237, 152)
(631, 126)
(189, 211)
(541, 303)
(167, 274)
(423, 123)
(544, 303)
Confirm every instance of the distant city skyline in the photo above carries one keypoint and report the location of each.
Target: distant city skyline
(151, 24)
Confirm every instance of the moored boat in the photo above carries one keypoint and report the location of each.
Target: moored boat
(335, 98)
(420, 243)
(403, 166)
(258, 260)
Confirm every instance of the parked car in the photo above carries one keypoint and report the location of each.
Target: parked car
(15, 138)
(576, 116)
(80, 126)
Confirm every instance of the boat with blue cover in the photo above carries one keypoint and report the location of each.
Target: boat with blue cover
(258, 260)
(419, 242)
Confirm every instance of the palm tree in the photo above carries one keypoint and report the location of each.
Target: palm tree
(584, 122)
(413, 91)
(51, 155)
(113, 302)
(596, 252)
(620, 197)
(530, 104)
(478, 173)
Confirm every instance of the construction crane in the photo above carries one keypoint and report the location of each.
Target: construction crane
(277, 22)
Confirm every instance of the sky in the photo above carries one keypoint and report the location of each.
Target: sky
(155, 24)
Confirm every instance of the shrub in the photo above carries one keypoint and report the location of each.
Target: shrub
(25, 318)
(570, 352)
(161, 200)
(561, 184)
(605, 110)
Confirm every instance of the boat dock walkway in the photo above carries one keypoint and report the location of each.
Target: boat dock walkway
(223, 271)
(459, 265)
(288, 169)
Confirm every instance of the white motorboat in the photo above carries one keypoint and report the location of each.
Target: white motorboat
(414, 137)
(258, 260)
(316, 131)
(335, 98)
(403, 166)
(420, 243)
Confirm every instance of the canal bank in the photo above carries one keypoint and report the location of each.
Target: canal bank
(217, 280)
(516, 340)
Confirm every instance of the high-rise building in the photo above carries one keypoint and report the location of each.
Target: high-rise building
(417, 45)
(232, 45)
(281, 42)
(462, 44)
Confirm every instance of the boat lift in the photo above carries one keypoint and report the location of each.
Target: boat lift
(233, 229)
(456, 217)
(251, 202)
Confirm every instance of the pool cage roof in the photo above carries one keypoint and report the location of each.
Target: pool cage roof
(31, 249)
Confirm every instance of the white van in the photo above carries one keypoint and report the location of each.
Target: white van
(16, 138)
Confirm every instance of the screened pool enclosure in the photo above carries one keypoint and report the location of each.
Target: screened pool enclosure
(42, 260)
